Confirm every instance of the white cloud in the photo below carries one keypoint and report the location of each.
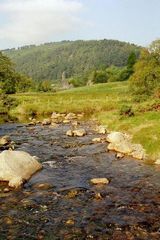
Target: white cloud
(35, 21)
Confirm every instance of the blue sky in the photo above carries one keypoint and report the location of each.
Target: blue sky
(37, 21)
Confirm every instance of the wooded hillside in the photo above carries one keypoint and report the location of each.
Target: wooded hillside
(49, 61)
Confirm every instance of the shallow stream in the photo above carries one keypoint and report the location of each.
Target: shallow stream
(67, 206)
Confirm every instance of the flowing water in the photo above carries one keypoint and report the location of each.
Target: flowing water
(67, 206)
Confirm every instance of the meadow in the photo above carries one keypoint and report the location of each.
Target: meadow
(104, 103)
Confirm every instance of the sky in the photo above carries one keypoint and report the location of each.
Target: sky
(25, 22)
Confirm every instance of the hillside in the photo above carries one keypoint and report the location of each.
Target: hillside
(50, 60)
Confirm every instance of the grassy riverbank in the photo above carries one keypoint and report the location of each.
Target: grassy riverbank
(104, 103)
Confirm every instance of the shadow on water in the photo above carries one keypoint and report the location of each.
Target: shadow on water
(67, 206)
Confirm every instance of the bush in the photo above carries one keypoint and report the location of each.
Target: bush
(6, 103)
(126, 111)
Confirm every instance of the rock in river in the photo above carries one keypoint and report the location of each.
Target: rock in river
(4, 140)
(46, 121)
(99, 181)
(79, 132)
(121, 143)
(76, 133)
(70, 116)
(17, 166)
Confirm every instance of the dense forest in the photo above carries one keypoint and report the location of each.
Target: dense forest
(70, 58)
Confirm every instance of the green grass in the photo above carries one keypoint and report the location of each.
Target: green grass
(102, 102)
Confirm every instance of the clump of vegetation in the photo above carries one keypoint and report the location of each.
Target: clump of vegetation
(6, 103)
(126, 111)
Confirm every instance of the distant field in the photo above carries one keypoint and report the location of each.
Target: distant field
(102, 102)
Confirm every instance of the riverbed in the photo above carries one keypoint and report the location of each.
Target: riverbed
(59, 202)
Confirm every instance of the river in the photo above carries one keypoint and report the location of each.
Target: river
(67, 205)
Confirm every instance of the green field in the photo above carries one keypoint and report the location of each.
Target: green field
(102, 102)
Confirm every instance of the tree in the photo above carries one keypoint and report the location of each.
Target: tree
(146, 76)
(100, 76)
(131, 60)
(10, 80)
(23, 83)
(7, 77)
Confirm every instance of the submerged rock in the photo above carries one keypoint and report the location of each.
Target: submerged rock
(42, 186)
(17, 167)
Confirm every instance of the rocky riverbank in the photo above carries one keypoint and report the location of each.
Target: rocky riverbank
(82, 192)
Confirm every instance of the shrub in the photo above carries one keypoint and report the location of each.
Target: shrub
(126, 111)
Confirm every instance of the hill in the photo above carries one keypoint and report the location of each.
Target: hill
(49, 61)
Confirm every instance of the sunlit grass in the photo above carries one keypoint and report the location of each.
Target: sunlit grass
(102, 102)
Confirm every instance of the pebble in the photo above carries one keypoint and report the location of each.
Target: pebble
(6, 190)
(70, 222)
(42, 186)
(99, 181)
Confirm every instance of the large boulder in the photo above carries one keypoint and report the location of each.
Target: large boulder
(122, 147)
(121, 143)
(117, 137)
(17, 167)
